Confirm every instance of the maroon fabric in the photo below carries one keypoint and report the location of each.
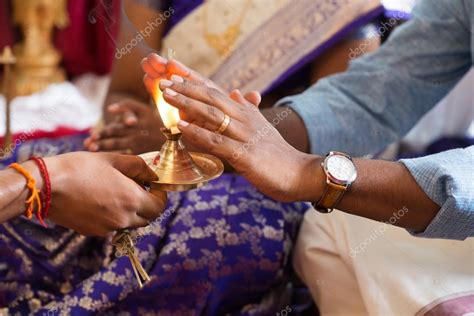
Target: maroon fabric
(6, 31)
(87, 44)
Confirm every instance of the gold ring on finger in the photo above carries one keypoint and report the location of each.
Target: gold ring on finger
(225, 123)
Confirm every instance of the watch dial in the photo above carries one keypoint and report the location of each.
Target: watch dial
(341, 168)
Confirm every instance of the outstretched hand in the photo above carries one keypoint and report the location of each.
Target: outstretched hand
(135, 130)
(250, 143)
(157, 68)
(98, 193)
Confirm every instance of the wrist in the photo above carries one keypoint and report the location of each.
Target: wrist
(34, 171)
(19, 183)
(312, 178)
(57, 173)
(57, 178)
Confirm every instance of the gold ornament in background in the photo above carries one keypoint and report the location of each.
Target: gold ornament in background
(224, 43)
(7, 59)
(37, 59)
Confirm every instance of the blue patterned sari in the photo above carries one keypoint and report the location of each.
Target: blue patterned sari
(221, 250)
(214, 251)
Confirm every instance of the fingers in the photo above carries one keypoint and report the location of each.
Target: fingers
(111, 138)
(127, 105)
(114, 129)
(155, 66)
(204, 115)
(110, 131)
(95, 146)
(111, 144)
(153, 205)
(216, 144)
(195, 111)
(88, 142)
(150, 70)
(178, 69)
(127, 116)
(175, 67)
(150, 84)
(200, 93)
(163, 69)
(254, 97)
(133, 167)
(130, 118)
(237, 96)
(138, 221)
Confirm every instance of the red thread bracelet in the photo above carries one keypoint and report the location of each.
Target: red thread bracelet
(46, 190)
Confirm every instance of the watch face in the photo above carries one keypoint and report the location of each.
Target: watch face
(341, 168)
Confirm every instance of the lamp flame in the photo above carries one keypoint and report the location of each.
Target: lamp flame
(169, 114)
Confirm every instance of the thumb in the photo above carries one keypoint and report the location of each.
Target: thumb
(134, 168)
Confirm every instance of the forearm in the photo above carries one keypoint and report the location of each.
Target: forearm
(290, 126)
(13, 191)
(126, 73)
(383, 95)
(381, 190)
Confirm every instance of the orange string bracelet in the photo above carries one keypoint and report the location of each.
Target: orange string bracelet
(31, 185)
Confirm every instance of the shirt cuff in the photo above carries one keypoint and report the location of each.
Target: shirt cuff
(447, 180)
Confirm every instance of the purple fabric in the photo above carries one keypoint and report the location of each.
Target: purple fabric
(397, 14)
(181, 9)
(220, 250)
(217, 250)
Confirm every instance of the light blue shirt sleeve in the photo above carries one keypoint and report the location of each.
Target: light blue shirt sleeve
(383, 95)
(448, 178)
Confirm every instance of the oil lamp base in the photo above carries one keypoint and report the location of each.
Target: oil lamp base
(208, 166)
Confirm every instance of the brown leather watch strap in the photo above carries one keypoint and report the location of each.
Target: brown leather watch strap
(330, 198)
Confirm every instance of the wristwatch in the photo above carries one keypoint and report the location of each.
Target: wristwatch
(340, 174)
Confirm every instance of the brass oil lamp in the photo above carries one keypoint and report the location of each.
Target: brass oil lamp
(176, 168)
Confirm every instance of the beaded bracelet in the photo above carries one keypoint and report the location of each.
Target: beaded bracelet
(46, 193)
(34, 192)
